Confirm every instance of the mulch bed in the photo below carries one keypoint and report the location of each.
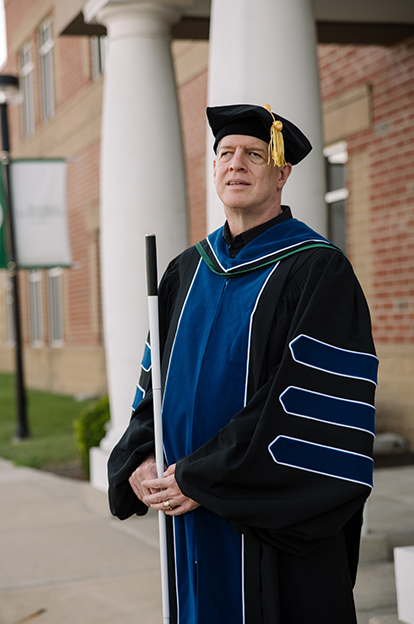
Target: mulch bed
(73, 470)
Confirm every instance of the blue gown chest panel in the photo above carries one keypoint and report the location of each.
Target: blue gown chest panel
(205, 387)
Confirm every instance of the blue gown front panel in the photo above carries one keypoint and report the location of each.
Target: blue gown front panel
(205, 388)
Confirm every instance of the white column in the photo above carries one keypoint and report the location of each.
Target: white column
(142, 191)
(264, 52)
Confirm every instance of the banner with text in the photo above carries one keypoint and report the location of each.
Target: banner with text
(38, 189)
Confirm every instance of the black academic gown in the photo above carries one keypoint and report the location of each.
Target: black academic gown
(290, 470)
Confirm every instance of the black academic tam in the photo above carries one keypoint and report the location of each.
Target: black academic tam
(256, 121)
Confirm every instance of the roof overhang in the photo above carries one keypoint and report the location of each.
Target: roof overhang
(376, 22)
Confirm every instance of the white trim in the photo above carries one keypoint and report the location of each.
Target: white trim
(326, 474)
(329, 396)
(175, 570)
(326, 370)
(337, 153)
(336, 196)
(142, 390)
(179, 323)
(26, 69)
(46, 46)
(243, 264)
(91, 9)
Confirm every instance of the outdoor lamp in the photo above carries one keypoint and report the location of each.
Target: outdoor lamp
(9, 89)
(9, 94)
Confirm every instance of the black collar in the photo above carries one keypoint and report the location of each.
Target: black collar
(241, 240)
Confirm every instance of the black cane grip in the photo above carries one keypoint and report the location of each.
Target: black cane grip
(151, 261)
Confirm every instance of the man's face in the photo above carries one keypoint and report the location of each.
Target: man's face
(244, 180)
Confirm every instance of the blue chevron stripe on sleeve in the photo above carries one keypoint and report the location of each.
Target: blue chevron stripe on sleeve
(139, 395)
(331, 359)
(328, 409)
(146, 360)
(324, 460)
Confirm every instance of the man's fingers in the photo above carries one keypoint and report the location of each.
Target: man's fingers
(158, 484)
(170, 470)
(179, 503)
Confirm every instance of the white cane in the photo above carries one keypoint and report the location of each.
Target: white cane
(152, 286)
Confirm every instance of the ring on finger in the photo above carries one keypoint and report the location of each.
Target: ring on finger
(167, 505)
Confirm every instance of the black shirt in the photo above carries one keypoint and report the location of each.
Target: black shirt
(236, 245)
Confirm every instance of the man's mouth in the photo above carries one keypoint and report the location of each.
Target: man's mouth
(237, 183)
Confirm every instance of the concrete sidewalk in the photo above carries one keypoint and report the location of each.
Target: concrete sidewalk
(66, 560)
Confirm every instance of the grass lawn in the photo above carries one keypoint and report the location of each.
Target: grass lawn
(50, 420)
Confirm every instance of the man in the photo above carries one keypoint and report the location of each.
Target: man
(269, 373)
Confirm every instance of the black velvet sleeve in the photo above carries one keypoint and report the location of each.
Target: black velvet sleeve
(138, 440)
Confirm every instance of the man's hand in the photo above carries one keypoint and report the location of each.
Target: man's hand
(166, 489)
(147, 470)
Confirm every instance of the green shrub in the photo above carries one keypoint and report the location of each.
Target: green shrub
(90, 429)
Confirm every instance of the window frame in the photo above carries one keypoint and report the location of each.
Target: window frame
(35, 279)
(8, 301)
(336, 154)
(99, 51)
(55, 299)
(47, 82)
(26, 72)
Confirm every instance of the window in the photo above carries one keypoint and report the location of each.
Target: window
(98, 55)
(35, 308)
(26, 84)
(336, 157)
(55, 307)
(46, 70)
(8, 288)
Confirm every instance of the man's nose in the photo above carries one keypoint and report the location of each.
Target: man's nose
(238, 161)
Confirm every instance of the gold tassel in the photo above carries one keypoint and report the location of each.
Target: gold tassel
(276, 144)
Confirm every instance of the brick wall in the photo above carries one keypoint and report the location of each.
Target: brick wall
(193, 100)
(389, 146)
(72, 67)
(83, 197)
(81, 284)
(16, 12)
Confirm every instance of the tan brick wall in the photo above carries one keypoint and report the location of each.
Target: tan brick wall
(347, 113)
(380, 208)
(78, 366)
(359, 221)
(389, 148)
(83, 317)
(193, 101)
(395, 396)
(77, 370)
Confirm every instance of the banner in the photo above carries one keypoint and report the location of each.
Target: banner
(3, 255)
(38, 189)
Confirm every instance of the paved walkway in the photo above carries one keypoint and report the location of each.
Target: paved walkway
(65, 560)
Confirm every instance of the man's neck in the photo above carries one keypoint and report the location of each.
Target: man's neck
(240, 222)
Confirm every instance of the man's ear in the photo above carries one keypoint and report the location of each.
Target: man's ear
(214, 170)
(284, 173)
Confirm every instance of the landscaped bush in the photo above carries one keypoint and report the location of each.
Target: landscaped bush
(90, 429)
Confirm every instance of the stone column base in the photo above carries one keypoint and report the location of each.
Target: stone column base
(98, 458)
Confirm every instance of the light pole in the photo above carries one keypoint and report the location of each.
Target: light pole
(9, 88)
